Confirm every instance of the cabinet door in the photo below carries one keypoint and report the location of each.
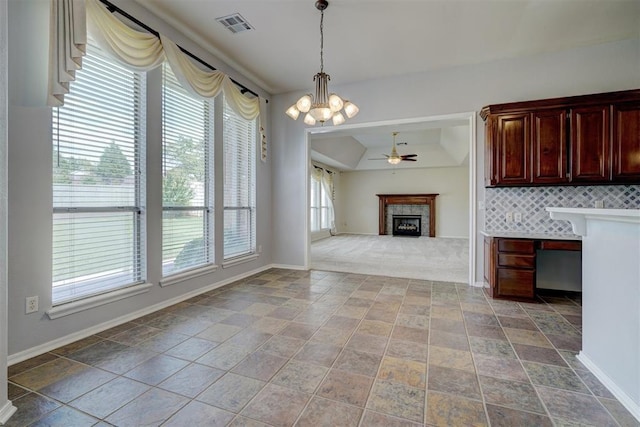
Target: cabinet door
(516, 283)
(513, 145)
(626, 142)
(590, 158)
(549, 147)
(490, 152)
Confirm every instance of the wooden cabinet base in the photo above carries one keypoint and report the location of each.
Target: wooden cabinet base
(510, 265)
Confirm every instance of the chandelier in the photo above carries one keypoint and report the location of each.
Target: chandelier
(323, 106)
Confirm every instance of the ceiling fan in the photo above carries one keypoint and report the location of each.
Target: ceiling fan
(394, 158)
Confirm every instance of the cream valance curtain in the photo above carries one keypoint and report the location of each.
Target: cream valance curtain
(67, 46)
(136, 50)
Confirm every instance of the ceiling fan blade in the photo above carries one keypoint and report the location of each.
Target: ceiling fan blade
(409, 155)
(409, 160)
(377, 159)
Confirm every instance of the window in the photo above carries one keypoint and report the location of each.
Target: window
(239, 184)
(321, 207)
(98, 181)
(187, 178)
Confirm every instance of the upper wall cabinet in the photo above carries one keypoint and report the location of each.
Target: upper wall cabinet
(626, 141)
(590, 139)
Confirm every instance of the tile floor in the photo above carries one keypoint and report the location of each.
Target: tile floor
(324, 349)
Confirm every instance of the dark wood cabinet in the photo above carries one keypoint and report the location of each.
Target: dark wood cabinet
(513, 146)
(590, 159)
(626, 142)
(580, 140)
(549, 129)
(510, 265)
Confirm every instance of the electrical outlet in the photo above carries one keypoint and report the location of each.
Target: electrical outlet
(599, 204)
(259, 249)
(517, 217)
(508, 216)
(31, 305)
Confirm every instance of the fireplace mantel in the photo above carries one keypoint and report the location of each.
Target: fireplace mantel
(407, 199)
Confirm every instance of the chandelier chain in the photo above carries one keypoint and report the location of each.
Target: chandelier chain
(321, 41)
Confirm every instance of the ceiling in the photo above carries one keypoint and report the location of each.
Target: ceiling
(374, 39)
(437, 143)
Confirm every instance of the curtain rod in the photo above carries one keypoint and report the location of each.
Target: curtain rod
(113, 8)
(324, 169)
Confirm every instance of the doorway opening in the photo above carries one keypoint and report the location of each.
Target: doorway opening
(339, 138)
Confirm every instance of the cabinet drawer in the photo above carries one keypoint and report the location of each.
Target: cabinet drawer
(515, 245)
(516, 260)
(515, 283)
(561, 245)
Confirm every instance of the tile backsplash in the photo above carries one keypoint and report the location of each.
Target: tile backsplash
(531, 201)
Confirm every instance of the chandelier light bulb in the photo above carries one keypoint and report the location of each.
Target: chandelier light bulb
(335, 103)
(309, 120)
(350, 109)
(293, 112)
(338, 119)
(304, 103)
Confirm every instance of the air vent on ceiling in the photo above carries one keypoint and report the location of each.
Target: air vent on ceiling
(235, 23)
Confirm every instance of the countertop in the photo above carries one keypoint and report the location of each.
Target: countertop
(579, 216)
(535, 236)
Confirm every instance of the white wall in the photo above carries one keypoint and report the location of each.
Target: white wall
(359, 204)
(30, 196)
(602, 68)
(6, 408)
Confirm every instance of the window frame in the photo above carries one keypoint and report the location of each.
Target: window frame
(251, 145)
(72, 291)
(207, 208)
(319, 209)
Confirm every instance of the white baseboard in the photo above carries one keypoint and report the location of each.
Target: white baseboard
(288, 267)
(68, 339)
(6, 411)
(632, 406)
(479, 284)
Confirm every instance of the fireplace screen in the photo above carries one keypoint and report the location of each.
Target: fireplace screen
(406, 225)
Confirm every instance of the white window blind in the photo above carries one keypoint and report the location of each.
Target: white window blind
(98, 147)
(187, 186)
(239, 184)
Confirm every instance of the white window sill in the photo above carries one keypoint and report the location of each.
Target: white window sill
(96, 301)
(189, 274)
(239, 260)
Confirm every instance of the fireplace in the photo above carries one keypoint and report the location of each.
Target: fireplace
(422, 205)
(406, 225)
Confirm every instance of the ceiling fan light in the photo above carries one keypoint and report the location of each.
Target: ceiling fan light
(335, 102)
(293, 112)
(394, 160)
(304, 103)
(338, 119)
(309, 120)
(350, 109)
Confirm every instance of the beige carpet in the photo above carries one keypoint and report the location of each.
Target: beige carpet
(426, 258)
